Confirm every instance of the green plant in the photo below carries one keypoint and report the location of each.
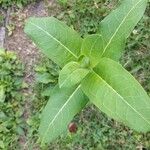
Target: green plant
(91, 72)
(11, 100)
(18, 3)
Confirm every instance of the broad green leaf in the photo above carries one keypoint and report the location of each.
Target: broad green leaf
(117, 26)
(72, 74)
(92, 47)
(59, 42)
(63, 105)
(115, 92)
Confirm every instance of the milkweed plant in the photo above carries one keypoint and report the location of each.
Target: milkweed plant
(91, 71)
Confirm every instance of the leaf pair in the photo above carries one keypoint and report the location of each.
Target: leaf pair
(113, 31)
(110, 87)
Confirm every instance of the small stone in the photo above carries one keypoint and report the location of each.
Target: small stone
(72, 127)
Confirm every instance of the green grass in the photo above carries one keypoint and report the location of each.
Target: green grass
(95, 130)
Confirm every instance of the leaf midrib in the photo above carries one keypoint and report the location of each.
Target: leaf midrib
(54, 39)
(123, 99)
(120, 26)
(61, 109)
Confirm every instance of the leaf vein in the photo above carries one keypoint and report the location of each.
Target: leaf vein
(54, 39)
(124, 100)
